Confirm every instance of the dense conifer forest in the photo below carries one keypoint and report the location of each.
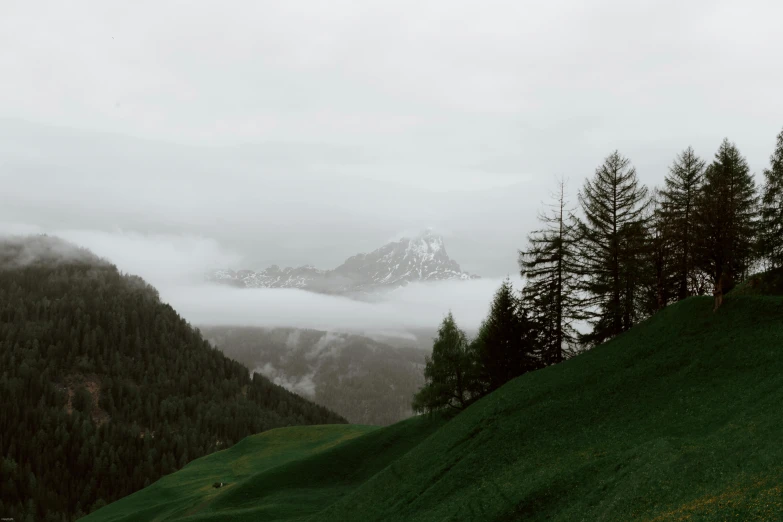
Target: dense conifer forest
(104, 388)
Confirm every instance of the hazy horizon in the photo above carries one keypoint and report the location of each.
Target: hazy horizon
(177, 271)
(248, 134)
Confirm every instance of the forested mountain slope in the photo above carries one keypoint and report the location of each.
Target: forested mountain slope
(104, 388)
(677, 419)
(366, 381)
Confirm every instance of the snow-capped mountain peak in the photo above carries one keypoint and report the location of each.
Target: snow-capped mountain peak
(427, 244)
(420, 258)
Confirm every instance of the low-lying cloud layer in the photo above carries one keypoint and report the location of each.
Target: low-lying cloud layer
(176, 265)
(419, 306)
(304, 385)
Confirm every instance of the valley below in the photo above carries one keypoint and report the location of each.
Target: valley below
(364, 380)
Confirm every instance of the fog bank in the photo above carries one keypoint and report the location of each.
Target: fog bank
(176, 264)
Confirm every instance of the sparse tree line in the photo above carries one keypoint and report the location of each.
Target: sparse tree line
(617, 257)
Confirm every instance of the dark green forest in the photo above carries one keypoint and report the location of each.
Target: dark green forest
(104, 388)
(617, 257)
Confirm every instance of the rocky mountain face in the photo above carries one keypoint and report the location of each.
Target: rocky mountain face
(422, 258)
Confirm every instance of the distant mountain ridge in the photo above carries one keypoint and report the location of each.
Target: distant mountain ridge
(407, 260)
(366, 381)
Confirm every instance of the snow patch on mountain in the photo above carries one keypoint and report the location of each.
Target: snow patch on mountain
(421, 258)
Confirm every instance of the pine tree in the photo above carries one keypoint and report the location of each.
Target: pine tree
(659, 275)
(771, 236)
(636, 251)
(726, 219)
(448, 372)
(611, 246)
(508, 340)
(550, 267)
(677, 210)
(499, 337)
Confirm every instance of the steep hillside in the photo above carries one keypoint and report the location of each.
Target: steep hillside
(678, 419)
(365, 381)
(104, 388)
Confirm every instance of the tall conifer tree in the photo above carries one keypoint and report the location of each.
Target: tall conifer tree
(661, 263)
(448, 372)
(550, 266)
(611, 246)
(771, 237)
(726, 219)
(508, 343)
(677, 209)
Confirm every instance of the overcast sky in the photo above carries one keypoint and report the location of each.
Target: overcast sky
(305, 132)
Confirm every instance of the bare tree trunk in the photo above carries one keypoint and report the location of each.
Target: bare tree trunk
(718, 294)
(724, 284)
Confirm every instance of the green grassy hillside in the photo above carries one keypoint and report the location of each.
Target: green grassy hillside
(282, 474)
(680, 418)
(190, 489)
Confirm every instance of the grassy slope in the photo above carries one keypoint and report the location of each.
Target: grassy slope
(679, 419)
(191, 487)
(282, 474)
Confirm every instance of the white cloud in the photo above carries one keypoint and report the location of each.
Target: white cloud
(162, 259)
(417, 306)
(304, 132)
(303, 385)
(176, 266)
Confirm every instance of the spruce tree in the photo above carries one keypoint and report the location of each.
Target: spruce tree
(660, 266)
(508, 340)
(677, 211)
(611, 246)
(550, 267)
(726, 219)
(448, 372)
(771, 236)
(635, 253)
